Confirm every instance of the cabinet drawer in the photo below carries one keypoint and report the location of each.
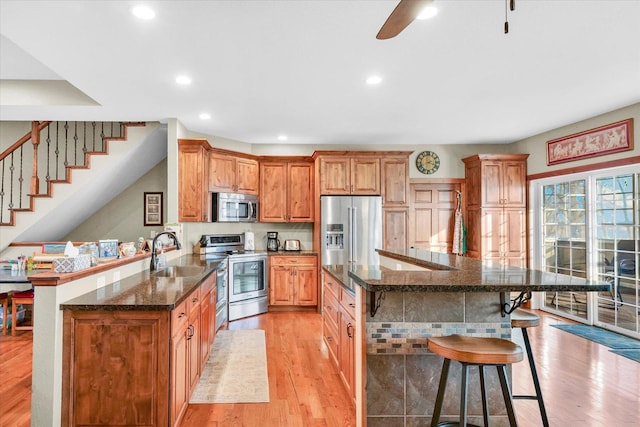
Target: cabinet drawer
(293, 260)
(331, 285)
(193, 301)
(331, 309)
(208, 284)
(179, 318)
(348, 301)
(330, 335)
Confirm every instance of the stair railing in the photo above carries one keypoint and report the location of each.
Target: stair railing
(55, 148)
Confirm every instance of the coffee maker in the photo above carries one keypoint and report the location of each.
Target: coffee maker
(272, 241)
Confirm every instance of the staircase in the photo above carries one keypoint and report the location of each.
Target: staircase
(60, 173)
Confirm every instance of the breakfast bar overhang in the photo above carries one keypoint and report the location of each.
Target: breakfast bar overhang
(411, 296)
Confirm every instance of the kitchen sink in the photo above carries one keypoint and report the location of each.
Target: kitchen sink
(179, 271)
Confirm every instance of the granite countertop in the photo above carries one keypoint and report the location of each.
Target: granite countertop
(452, 273)
(146, 291)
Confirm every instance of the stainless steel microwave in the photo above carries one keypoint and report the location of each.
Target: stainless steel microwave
(232, 207)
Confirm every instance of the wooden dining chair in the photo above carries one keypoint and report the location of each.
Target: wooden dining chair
(24, 298)
(4, 301)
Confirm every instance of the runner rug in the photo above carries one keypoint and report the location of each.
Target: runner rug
(236, 371)
(601, 336)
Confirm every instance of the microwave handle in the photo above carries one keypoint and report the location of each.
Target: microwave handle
(251, 210)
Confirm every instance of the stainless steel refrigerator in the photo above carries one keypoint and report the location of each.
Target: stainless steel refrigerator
(351, 229)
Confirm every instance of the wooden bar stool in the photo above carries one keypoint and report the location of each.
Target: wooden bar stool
(525, 319)
(4, 302)
(480, 352)
(24, 298)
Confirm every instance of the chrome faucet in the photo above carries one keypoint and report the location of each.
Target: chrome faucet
(154, 258)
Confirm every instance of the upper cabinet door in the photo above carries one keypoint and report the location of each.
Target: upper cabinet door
(365, 176)
(273, 192)
(514, 184)
(492, 183)
(247, 176)
(335, 175)
(394, 179)
(300, 192)
(193, 202)
(222, 172)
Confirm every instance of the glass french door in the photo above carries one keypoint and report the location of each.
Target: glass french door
(588, 225)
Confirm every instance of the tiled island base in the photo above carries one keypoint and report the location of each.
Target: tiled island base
(402, 376)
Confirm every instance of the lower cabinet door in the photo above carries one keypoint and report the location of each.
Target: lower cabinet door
(193, 342)
(179, 380)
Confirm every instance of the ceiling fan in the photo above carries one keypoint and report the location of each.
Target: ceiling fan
(404, 14)
(408, 10)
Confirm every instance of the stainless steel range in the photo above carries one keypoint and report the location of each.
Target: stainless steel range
(247, 279)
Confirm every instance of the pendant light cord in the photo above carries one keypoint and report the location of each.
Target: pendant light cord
(508, 5)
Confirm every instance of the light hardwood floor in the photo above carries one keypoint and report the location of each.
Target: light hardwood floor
(583, 383)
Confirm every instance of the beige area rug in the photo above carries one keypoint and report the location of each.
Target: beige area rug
(236, 371)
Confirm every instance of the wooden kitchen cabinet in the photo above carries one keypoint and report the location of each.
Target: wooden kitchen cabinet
(395, 180)
(496, 208)
(395, 201)
(358, 175)
(115, 368)
(496, 180)
(232, 174)
(144, 363)
(339, 329)
(193, 164)
(286, 191)
(293, 280)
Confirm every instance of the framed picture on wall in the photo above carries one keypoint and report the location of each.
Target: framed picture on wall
(603, 140)
(153, 209)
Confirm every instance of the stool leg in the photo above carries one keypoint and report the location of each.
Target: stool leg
(440, 397)
(534, 375)
(485, 403)
(506, 393)
(463, 394)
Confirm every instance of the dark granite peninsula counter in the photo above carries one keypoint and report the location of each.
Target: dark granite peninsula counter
(411, 296)
(148, 290)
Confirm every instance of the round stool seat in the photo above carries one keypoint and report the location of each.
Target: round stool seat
(476, 350)
(524, 319)
(4, 295)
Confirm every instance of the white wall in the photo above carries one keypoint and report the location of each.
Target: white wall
(537, 144)
(122, 218)
(10, 132)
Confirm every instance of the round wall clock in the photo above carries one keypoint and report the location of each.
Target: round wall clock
(427, 162)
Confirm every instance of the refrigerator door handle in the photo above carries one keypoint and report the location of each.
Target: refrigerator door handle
(354, 237)
(350, 236)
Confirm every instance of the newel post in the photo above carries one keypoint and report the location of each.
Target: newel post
(35, 140)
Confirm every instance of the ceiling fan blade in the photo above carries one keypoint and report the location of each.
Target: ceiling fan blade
(403, 15)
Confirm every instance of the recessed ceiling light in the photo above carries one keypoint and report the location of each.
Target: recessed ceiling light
(205, 116)
(183, 80)
(428, 12)
(282, 137)
(143, 12)
(374, 80)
